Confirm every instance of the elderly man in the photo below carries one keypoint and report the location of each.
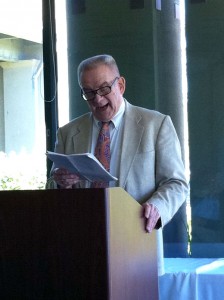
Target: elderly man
(145, 153)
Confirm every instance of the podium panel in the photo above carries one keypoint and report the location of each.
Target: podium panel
(133, 252)
(75, 244)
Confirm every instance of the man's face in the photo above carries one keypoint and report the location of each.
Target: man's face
(104, 108)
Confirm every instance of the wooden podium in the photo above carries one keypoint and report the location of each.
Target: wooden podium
(75, 244)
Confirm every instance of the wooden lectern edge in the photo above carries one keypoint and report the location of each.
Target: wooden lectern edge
(132, 251)
(119, 194)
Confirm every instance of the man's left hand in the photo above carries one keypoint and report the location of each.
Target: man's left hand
(152, 216)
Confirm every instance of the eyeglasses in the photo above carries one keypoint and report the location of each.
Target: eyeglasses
(103, 91)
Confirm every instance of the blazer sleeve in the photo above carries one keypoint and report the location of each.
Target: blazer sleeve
(171, 186)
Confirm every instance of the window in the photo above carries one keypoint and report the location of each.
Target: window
(22, 142)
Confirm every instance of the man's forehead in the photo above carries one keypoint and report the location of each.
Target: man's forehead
(97, 78)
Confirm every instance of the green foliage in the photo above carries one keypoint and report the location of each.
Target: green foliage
(15, 183)
(7, 183)
(22, 171)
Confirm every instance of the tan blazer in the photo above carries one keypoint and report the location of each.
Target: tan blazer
(151, 168)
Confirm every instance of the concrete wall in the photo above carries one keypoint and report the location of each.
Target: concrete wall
(22, 108)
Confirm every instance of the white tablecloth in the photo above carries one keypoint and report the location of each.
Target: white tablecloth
(192, 279)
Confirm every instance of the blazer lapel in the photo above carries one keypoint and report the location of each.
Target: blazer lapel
(131, 141)
(83, 135)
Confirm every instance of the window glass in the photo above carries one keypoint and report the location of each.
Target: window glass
(22, 125)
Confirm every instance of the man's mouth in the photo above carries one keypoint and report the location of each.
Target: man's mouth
(102, 108)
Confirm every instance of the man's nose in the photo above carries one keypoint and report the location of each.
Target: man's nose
(98, 98)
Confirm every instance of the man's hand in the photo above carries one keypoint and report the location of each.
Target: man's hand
(64, 178)
(151, 215)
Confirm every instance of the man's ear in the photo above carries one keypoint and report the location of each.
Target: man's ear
(122, 84)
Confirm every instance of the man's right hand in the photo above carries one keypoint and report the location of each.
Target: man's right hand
(64, 178)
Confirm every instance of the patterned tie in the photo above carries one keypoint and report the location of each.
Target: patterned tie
(102, 151)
